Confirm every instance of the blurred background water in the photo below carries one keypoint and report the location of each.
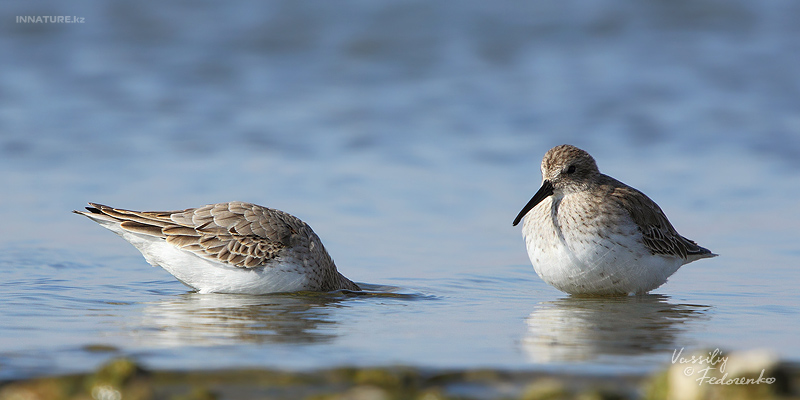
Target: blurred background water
(408, 134)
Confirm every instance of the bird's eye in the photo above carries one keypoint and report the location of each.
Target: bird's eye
(571, 169)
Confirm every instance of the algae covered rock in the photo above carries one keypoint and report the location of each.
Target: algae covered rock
(713, 374)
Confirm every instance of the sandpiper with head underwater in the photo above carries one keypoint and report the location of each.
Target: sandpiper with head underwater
(589, 234)
(230, 247)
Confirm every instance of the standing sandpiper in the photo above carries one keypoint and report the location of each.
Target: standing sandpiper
(228, 247)
(590, 234)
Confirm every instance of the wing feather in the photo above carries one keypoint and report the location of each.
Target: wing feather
(658, 234)
(240, 234)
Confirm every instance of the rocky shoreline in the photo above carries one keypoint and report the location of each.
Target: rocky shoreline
(123, 379)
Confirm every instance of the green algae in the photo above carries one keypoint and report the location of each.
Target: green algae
(124, 379)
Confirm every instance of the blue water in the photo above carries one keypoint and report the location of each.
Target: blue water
(408, 135)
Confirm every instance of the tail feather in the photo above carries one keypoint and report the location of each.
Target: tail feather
(95, 212)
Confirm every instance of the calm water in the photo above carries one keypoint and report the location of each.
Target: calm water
(409, 135)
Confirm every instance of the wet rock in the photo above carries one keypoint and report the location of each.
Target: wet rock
(545, 389)
(713, 374)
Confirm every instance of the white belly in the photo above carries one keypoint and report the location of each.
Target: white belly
(578, 253)
(207, 276)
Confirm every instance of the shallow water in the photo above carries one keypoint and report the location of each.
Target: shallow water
(408, 135)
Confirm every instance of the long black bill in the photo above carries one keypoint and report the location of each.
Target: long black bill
(544, 191)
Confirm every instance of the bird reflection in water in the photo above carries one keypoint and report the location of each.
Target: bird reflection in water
(227, 319)
(584, 328)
